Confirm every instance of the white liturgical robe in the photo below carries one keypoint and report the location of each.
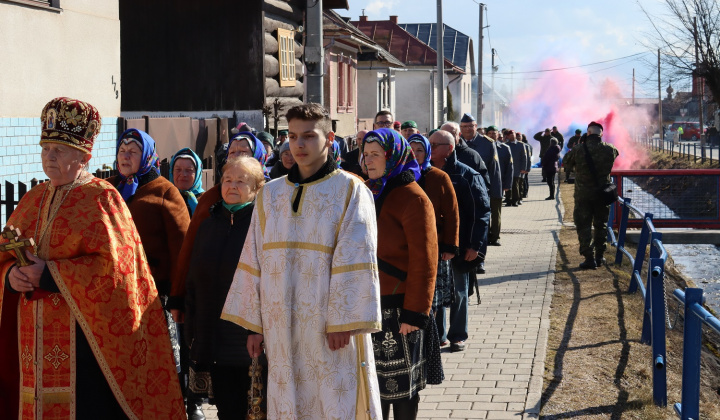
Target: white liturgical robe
(303, 275)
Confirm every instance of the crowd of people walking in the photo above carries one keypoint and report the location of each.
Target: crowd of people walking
(326, 276)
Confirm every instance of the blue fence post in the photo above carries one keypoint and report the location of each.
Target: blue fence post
(622, 230)
(656, 289)
(692, 339)
(646, 336)
(640, 256)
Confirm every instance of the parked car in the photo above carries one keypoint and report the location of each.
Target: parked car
(691, 130)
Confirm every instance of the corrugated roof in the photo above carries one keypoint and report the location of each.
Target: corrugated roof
(334, 25)
(455, 43)
(406, 47)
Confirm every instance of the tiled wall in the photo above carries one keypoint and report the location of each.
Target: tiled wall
(20, 151)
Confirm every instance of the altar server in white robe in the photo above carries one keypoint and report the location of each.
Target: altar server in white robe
(307, 282)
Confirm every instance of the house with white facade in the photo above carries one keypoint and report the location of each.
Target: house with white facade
(458, 48)
(414, 85)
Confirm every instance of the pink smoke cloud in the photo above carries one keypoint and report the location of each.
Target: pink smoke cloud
(569, 99)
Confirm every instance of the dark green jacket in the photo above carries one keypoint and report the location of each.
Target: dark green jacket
(603, 155)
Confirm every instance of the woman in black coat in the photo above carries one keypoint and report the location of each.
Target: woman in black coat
(550, 166)
(218, 350)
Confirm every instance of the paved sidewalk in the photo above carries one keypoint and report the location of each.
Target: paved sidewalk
(500, 373)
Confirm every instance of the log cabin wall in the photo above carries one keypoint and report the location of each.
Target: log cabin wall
(290, 15)
(185, 55)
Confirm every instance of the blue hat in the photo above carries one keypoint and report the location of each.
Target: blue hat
(467, 118)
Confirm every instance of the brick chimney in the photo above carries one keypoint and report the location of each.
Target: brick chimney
(363, 18)
(393, 19)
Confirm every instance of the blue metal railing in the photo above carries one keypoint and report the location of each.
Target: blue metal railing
(695, 316)
(654, 315)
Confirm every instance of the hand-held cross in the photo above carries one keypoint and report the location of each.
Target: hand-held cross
(18, 244)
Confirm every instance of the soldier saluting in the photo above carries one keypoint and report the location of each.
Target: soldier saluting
(590, 212)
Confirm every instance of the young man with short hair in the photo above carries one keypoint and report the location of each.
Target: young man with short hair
(307, 282)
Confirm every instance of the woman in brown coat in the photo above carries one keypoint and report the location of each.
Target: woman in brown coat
(439, 189)
(407, 261)
(157, 208)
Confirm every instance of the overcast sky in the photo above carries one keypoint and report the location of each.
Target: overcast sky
(525, 32)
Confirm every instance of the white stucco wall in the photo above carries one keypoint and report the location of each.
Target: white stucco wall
(368, 93)
(45, 54)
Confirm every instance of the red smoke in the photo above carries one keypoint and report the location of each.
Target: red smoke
(570, 99)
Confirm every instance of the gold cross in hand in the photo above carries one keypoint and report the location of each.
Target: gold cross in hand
(17, 244)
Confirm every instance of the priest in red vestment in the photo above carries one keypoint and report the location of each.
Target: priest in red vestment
(82, 332)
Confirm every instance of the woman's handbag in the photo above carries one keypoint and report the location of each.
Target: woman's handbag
(255, 394)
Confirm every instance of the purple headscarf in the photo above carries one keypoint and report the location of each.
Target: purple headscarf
(399, 156)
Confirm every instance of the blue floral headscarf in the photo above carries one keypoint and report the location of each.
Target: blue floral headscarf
(257, 147)
(419, 138)
(149, 161)
(196, 188)
(336, 153)
(398, 154)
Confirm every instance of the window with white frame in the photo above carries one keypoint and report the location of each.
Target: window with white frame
(286, 57)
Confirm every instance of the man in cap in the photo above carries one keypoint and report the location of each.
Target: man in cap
(572, 141)
(408, 128)
(519, 157)
(269, 142)
(396, 126)
(543, 137)
(589, 212)
(82, 332)
(486, 146)
(558, 136)
(506, 170)
(282, 138)
(474, 212)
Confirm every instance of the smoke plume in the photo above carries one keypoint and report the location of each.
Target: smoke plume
(570, 99)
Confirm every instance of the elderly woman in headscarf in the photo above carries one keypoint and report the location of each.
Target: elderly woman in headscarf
(243, 143)
(158, 209)
(407, 261)
(284, 163)
(439, 189)
(186, 173)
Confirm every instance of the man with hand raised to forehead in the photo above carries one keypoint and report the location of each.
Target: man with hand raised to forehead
(307, 282)
(474, 212)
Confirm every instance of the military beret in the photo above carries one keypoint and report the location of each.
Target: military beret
(282, 133)
(578, 131)
(466, 118)
(433, 131)
(594, 124)
(408, 124)
(491, 128)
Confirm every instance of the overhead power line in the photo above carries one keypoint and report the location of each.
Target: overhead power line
(575, 67)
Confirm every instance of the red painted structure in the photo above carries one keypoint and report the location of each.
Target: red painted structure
(691, 195)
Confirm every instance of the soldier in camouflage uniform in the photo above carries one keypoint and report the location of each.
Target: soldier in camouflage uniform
(589, 211)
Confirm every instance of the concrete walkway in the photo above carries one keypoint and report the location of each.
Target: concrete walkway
(500, 373)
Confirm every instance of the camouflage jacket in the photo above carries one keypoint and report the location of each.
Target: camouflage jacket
(603, 155)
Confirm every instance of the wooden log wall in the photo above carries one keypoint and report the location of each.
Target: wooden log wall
(285, 14)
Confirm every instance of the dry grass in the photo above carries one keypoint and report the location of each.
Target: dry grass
(596, 367)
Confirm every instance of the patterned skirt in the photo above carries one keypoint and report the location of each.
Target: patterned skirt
(399, 359)
(444, 286)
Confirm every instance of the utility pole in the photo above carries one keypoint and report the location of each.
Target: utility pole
(633, 89)
(492, 118)
(480, 70)
(660, 116)
(700, 88)
(440, 65)
(314, 52)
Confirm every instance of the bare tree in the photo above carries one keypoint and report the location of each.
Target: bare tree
(678, 35)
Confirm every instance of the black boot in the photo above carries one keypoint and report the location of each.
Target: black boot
(599, 259)
(589, 263)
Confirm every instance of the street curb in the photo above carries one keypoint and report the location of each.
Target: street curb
(533, 402)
